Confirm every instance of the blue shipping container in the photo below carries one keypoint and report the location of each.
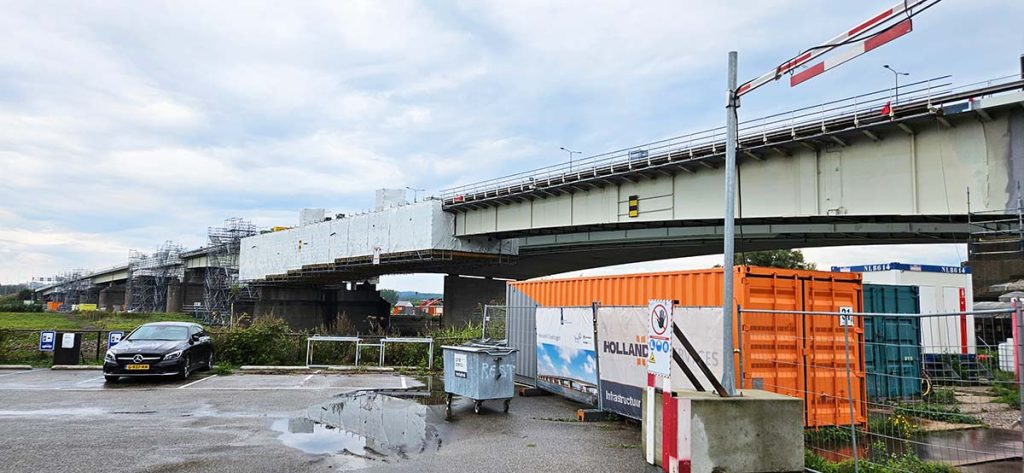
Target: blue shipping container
(892, 344)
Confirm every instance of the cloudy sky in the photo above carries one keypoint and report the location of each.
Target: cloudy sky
(125, 124)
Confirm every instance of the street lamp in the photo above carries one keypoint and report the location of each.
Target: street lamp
(571, 152)
(896, 99)
(415, 193)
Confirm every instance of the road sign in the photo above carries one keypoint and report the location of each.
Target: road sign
(46, 340)
(659, 337)
(845, 320)
(113, 338)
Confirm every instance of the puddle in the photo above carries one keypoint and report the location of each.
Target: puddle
(367, 425)
(971, 450)
(430, 394)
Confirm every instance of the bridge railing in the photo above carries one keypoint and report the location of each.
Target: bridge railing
(868, 105)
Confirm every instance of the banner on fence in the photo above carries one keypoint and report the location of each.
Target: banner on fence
(566, 359)
(622, 334)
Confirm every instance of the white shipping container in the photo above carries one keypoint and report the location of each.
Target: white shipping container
(942, 290)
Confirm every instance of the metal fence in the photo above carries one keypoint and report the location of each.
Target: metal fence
(937, 391)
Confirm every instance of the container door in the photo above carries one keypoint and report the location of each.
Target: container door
(772, 344)
(830, 385)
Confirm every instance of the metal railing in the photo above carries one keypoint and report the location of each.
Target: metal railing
(863, 107)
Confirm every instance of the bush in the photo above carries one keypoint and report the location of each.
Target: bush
(19, 306)
(267, 341)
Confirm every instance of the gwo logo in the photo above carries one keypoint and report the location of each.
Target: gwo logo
(659, 319)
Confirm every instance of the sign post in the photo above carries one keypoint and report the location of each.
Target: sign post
(47, 338)
(659, 361)
(113, 338)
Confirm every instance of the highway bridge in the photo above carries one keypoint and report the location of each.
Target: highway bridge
(869, 169)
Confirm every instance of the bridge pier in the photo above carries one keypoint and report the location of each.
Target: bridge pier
(465, 298)
(347, 309)
(173, 304)
(111, 298)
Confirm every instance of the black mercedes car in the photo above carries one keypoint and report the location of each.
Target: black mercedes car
(160, 349)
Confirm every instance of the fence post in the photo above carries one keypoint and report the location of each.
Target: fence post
(849, 391)
(1018, 315)
(597, 358)
(99, 333)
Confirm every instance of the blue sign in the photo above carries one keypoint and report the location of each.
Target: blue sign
(113, 338)
(918, 268)
(47, 338)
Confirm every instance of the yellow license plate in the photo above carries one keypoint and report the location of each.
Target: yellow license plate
(134, 367)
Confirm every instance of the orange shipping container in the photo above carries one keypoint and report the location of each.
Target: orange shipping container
(53, 306)
(794, 354)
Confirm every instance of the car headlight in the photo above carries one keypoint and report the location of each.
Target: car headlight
(110, 357)
(174, 355)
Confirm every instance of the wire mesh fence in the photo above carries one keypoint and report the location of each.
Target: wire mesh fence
(924, 392)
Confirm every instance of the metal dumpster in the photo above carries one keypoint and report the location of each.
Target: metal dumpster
(479, 372)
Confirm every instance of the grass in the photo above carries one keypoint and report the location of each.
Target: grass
(83, 320)
(937, 412)
(1005, 390)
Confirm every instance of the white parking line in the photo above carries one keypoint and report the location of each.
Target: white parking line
(16, 372)
(404, 386)
(193, 383)
(89, 380)
(303, 383)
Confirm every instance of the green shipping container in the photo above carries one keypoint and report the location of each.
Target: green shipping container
(892, 345)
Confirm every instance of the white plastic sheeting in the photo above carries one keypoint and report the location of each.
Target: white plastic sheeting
(414, 227)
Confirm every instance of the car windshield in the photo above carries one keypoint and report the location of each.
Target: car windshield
(159, 332)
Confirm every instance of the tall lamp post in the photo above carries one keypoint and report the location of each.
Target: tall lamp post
(415, 193)
(571, 152)
(896, 98)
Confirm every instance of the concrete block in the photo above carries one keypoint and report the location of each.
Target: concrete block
(76, 367)
(754, 432)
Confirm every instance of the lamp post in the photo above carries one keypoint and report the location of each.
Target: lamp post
(571, 152)
(896, 99)
(415, 193)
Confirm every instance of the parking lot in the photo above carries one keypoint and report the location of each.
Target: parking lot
(73, 421)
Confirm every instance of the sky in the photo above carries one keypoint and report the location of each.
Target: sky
(127, 124)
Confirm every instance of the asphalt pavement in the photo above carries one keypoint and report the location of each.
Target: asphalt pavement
(71, 421)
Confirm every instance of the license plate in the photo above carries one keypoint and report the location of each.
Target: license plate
(136, 367)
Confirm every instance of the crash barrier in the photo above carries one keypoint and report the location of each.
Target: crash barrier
(361, 343)
(951, 399)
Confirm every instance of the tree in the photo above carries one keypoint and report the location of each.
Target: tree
(789, 259)
(389, 295)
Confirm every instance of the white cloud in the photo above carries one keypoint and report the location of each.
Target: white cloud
(126, 124)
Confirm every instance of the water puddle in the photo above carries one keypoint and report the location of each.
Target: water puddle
(370, 426)
(971, 450)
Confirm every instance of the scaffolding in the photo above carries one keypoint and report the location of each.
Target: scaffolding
(150, 276)
(221, 285)
(996, 234)
(72, 285)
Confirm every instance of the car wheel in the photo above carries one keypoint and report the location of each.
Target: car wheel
(209, 362)
(185, 371)
(110, 379)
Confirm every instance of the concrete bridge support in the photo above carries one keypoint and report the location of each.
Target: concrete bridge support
(174, 291)
(346, 309)
(465, 297)
(111, 298)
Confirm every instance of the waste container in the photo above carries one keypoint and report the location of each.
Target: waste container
(480, 372)
(68, 349)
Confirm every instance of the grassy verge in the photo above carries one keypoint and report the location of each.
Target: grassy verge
(880, 462)
(267, 341)
(83, 320)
